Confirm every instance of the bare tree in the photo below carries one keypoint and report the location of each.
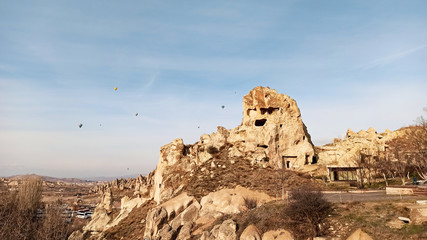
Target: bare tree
(53, 225)
(399, 164)
(18, 210)
(307, 212)
(359, 161)
(417, 146)
(383, 166)
(409, 150)
(30, 194)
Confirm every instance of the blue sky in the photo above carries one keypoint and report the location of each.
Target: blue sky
(348, 64)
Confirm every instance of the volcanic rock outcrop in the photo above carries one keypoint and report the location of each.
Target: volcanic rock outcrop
(271, 134)
(195, 189)
(342, 151)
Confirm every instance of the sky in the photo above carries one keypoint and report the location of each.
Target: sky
(348, 64)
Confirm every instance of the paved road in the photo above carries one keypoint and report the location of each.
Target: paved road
(367, 197)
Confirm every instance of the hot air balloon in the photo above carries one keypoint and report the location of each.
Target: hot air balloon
(115, 89)
(80, 125)
(136, 114)
(223, 106)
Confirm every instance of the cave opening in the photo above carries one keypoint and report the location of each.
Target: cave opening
(269, 110)
(314, 160)
(260, 122)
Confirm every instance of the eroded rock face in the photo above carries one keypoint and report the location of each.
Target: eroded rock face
(224, 231)
(342, 152)
(126, 206)
(271, 134)
(101, 216)
(141, 185)
(272, 123)
(228, 201)
(156, 219)
(165, 220)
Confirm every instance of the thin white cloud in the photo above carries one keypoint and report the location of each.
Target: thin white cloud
(380, 62)
(151, 80)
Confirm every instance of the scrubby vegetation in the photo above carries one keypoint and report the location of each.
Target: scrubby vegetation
(307, 212)
(24, 216)
(223, 172)
(133, 226)
(378, 219)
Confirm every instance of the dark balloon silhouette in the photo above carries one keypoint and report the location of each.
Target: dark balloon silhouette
(136, 114)
(223, 106)
(80, 125)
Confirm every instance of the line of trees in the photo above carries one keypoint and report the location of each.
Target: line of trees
(405, 156)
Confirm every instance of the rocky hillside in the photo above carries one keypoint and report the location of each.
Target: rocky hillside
(196, 188)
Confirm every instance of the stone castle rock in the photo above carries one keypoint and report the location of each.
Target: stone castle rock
(272, 134)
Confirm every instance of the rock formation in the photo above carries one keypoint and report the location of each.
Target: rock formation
(359, 235)
(228, 201)
(196, 185)
(141, 185)
(271, 134)
(251, 232)
(224, 231)
(342, 152)
(279, 234)
(101, 216)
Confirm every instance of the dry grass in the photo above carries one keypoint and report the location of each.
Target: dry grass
(230, 172)
(250, 203)
(266, 217)
(373, 217)
(133, 226)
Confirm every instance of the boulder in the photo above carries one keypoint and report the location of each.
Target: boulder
(156, 218)
(418, 214)
(228, 201)
(166, 233)
(279, 234)
(185, 232)
(177, 204)
(188, 216)
(167, 218)
(225, 231)
(359, 235)
(251, 232)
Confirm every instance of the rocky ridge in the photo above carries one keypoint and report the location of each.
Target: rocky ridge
(342, 151)
(194, 185)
